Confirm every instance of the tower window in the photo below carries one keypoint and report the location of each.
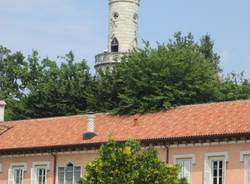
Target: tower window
(114, 45)
(135, 16)
(115, 15)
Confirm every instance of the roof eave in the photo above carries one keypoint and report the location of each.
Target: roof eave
(145, 142)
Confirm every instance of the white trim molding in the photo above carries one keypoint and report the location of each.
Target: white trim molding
(243, 154)
(186, 156)
(42, 163)
(19, 164)
(207, 178)
(217, 154)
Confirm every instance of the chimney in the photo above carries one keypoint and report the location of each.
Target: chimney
(2, 107)
(90, 133)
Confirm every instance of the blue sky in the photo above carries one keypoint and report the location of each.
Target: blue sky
(53, 27)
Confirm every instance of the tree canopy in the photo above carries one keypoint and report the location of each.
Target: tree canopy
(35, 88)
(129, 163)
(177, 73)
(181, 71)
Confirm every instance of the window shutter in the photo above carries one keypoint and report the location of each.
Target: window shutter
(187, 170)
(207, 172)
(46, 175)
(32, 176)
(10, 176)
(224, 171)
(22, 175)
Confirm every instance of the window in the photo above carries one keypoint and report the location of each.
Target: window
(215, 168)
(16, 173)
(115, 15)
(186, 165)
(69, 174)
(114, 45)
(39, 172)
(245, 158)
(217, 172)
(185, 161)
(135, 16)
(247, 169)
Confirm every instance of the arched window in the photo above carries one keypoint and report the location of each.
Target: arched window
(114, 45)
(69, 174)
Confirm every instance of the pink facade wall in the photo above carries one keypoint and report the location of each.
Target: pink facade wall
(27, 159)
(78, 159)
(234, 168)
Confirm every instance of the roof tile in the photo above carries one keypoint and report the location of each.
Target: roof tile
(184, 121)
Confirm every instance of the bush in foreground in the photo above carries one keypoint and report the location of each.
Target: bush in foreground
(128, 163)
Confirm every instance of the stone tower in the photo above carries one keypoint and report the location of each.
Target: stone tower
(122, 36)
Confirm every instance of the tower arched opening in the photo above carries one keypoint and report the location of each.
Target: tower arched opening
(114, 45)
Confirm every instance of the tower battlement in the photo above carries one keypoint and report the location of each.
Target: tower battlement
(123, 28)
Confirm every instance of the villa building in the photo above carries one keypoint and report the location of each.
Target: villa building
(210, 141)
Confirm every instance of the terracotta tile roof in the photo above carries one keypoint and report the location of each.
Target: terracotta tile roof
(3, 128)
(184, 121)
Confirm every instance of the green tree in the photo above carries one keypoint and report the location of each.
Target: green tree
(152, 79)
(179, 72)
(235, 87)
(207, 49)
(13, 78)
(35, 87)
(57, 89)
(128, 163)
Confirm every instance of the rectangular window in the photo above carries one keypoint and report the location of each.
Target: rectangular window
(18, 175)
(247, 169)
(217, 171)
(186, 167)
(40, 175)
(215, 167)
(61, 175)
(39, 172)
(69, 174)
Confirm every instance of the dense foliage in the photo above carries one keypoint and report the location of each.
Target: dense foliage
(129, 163)
(35, 87)
(179, 72)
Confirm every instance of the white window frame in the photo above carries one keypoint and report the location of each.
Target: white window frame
(244, 156)
(42, 165)
(64, 166)
(189, 157)
(209, 157)
(13, 166)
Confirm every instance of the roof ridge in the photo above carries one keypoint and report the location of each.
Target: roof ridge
(103, 113)
(46, 118)
(212, 103)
